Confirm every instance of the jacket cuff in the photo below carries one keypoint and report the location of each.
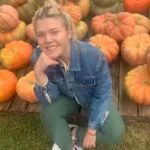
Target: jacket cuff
(95, 126)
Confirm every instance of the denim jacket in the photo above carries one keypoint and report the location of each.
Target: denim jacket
(87, 80)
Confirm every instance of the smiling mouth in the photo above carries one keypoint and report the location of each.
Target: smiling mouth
(51, 47)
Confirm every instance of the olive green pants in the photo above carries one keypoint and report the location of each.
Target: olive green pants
(56, 116)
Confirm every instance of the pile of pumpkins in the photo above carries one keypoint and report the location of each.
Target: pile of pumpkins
(113, 26)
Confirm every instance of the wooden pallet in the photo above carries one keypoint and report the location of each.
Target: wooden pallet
(118, 70)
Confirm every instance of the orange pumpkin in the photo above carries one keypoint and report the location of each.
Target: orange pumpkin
(120, 26)
(142, 20)
(140, 29)
(98, 22)
(117, 26)
(8, 81)
(138, 6)
(106, 44)
(17, 33)
(25, 87)
(74, 11)
(137, 84)
(30, 32)
(9, 18)
(84, 6)
(15, 55)
(133, 48)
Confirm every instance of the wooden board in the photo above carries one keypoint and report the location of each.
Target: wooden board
(144, 111)
(126, 106)
(114, 70)
(118, 70)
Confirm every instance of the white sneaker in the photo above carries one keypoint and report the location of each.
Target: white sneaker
(75, 147)
(74, 129)
(56, 147)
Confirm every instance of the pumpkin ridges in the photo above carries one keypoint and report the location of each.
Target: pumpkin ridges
(16, 55)
(123, 23)
(138, 79)
(9, 18)
(106, 44)
(133, 48)
(7, 25)
(74, 11)
(27, 93)
(17, 33)
(142, 20)
(19, 49)
(84, 6)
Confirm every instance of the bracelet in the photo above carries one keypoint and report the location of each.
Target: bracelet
(92, 134)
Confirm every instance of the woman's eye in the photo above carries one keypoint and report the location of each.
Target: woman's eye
(55, 32)
(40, 35)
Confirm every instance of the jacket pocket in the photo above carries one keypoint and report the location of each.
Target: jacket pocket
(84, 90)
(85, 82)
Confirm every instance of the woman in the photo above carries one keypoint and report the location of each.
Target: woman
(70, 75)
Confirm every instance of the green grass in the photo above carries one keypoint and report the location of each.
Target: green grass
(25, 132)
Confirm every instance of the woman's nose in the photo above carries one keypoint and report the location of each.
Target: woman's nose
(48, 37)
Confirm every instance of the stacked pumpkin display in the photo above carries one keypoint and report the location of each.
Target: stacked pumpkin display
(130, 30)
(15, 51)
(113, 26)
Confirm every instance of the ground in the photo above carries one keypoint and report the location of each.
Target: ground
(24, 132)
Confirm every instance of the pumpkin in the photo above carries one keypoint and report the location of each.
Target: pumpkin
(133, 48)
(105, 3)
(136, 6)
(84, 7)
(101, 9)
(14, 3)
(137, 84)
(81, 30)
(98, 21)
(74, 11)
(27, 10)
(117, 26)
(25, 87)
(120, 26)
(9, 18)
(30, 32)
(8, 81)
(142, 20)
(15, 55)
(17, 33)
(140, 29)
(107, 45)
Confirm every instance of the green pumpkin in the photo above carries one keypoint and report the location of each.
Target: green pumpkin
(27, 11)
(14, 3)
(96, 10)
(105, 3)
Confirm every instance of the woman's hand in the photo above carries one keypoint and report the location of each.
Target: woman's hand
(42, 63)
(89, 141)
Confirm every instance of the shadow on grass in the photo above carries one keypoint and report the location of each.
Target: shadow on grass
(25, 132)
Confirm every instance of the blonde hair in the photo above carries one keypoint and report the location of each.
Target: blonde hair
(53, 9)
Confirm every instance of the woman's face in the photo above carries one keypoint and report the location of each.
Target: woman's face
(52, 37)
